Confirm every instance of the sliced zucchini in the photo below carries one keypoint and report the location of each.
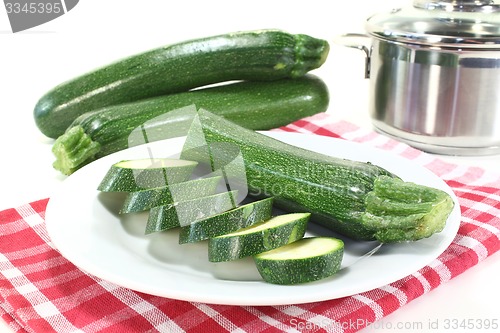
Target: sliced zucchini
(227, 222)
(185, 212)
(275, 232)
(306, 260)
(146, 199)
(140, 174)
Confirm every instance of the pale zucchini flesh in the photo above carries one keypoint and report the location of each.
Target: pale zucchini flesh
(304, 249)
(155, 163)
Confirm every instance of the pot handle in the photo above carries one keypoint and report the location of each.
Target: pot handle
(353, 40)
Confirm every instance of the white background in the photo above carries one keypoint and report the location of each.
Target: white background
(96, 32)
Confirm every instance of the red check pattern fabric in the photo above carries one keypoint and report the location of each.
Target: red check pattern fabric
(40, 291)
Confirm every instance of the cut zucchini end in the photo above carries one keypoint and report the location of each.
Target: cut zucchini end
(305, 260)
(271, 223)
(156, 163)
(73, 150)
(399, 211)
(305, 248)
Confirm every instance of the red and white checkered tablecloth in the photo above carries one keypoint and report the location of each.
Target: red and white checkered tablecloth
(41, 291)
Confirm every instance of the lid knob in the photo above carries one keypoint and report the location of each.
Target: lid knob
(486, 6)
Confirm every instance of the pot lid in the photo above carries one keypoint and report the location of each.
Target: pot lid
(456, 24)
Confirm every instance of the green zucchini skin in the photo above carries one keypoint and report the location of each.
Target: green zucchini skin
(185, 212)
(146, 199)
(323, 259)
(236, 246)
(248, 55)
(227, 222)
(253, 105)
(336, 191)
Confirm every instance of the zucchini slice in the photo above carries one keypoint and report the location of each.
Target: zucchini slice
(227, 222)
(146, 199)
(185, 212)
(273, 233)
(306, 260)
(140, 174)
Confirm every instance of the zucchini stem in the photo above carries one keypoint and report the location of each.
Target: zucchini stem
(399, 211)
(74, 149)
(310, 52)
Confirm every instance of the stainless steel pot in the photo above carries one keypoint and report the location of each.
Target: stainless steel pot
(434, 72)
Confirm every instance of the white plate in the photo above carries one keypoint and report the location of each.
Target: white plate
(84, 228)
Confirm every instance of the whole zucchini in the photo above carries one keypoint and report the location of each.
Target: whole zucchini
(254, 105)
(251, 55)
(357, 199)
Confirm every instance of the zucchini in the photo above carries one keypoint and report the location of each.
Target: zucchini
(135, 175)
(260, 237)
(183, 213)
(306, 260)
(249, 55)
(254, 105)
(146, 199)
(227, 222)
(398, 210)
(336, 191)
